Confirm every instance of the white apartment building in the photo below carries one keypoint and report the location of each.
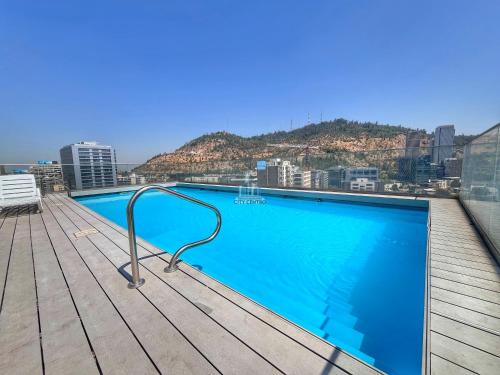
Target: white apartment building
(302, 179)
(284, 171)
(363, 184)
(132, 179)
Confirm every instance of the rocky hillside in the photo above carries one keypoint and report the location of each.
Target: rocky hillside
(224, 151)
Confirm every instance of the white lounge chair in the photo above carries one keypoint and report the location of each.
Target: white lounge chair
(19, 190)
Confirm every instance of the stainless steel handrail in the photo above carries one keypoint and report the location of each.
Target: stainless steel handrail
(136, 280)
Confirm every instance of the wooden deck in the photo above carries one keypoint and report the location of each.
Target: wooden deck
(65, 307)
(463, 318)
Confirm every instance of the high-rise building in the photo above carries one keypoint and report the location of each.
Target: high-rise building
(88, 165)
(452, 167)
(319, 179)
(406, 169)
(427, 171)
(416, 144)
(336, 176)
(48, 176)
(302, 179)
(444, 138)
(276, 172)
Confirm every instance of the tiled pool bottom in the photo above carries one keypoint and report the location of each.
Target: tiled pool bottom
(353, 274)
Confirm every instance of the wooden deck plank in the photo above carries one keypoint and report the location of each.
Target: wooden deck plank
(464, 355)
(463, 238)
(460, 238)
(463, 256)
(441, 366)
(115, 347)
(457, 244)
(65, 346)
(6, 238)
(455, 233)
(466, 334)
(468, 290)
(464, 327)
(472, 303)
(488, 267)
(466, 271)
(170, 350)
(341, 359)
(476, 253)
(463, 314)
(465, 279)
(20, 351)
(284, 353)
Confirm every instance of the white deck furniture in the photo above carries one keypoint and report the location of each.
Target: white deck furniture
(19, 190)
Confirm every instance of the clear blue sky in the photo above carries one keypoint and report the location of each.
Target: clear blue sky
(148, 75)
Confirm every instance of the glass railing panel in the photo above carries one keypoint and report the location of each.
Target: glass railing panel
(494, 225)
(481, 191)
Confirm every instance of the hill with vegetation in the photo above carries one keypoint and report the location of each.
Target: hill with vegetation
(226, 152)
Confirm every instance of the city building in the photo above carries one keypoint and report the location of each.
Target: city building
(48, 176)
(275, 172)
(207, 179)
(416, 144)
(302, 179)
(452, 167)
(427, 171)
(88, 165)
(370, 173)
(364, 184)
(131, 179)
(341, 177)
(394, 187)
(444, 137)
(319, 179)
(406, 169)
(336, 176)
(2, 170)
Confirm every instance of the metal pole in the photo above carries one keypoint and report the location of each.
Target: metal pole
(134, 263)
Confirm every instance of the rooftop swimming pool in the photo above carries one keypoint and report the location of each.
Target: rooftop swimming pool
(353, 274)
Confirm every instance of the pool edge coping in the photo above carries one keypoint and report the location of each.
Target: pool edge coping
(367, 198)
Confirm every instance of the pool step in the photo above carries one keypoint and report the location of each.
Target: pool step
(341, 332)
(308, 313)
(350, 349)
(337, 304)
(340, 316)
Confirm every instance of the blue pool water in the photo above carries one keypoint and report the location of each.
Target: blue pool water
(353, 274)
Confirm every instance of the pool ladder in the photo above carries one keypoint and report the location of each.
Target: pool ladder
(137, 281)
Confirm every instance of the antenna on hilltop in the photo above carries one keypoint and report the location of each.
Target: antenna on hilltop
(291, 124)
(308, 118)
(321, 117)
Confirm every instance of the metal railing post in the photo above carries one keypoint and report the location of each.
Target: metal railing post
(137, 281)
(134, 263)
